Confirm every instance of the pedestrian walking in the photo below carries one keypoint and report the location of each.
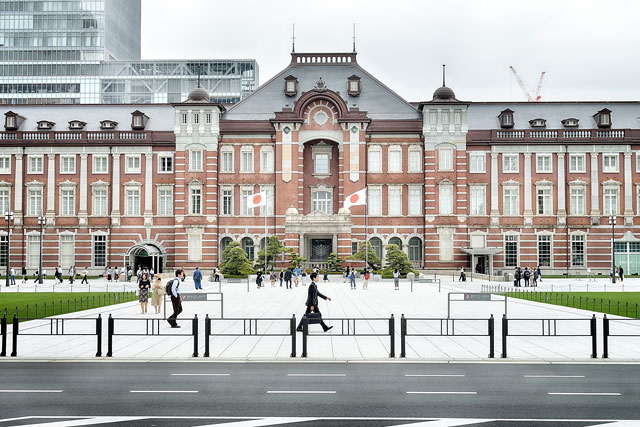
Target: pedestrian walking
(109, 274)
(526, 275)
(259, 278)
(365, 283)
(287, 278)
(143, 292)
(35, 276)
(272, 278)
(13, 276)
(303, 276)
(620, 273)
(281, 277)
(539, 274)
(463, 276)
(345, 275)
(396, 279)
(535, 277)
(85, 277)
(325, 277)
(24, 275)
(216, 274)
(296, 276)
(352, 278)
(197, 278)
(157, 292)
(312, 303)
(151, 274)
(176, 299)
(183, 274)
(72, 274)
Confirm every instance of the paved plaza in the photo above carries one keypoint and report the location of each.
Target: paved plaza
(273, 306)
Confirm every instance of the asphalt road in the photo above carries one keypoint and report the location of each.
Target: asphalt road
(327, 391)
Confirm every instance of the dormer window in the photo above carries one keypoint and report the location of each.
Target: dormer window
(538, 123)
(45, 125)
(76, 125)
(108, 124)
(354, 85)
(138, 120)
(12, 121)
(290, 86)
(506, 118)
(603, 118)
(570, 123)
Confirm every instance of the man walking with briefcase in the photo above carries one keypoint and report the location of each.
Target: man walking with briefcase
(313, 313)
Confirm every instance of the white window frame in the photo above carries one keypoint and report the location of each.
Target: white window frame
(270, 193)
(94, 238)
(446, 207)
(606, 207)
(445, 159)
(64, 236)
(547, 199)
(5, 164)
(414, 200)
(506, 161)
(394, 206)
(30, 207)
(30, 169)
(160, 163)
(374, 209)
(127, 210)
(94, 166)
(227, 150)
(575, 169)
(582, 189)
(247, 151)
(72, 158)
(329, 204)
(63, 203)
(222, 197)
(414, 159)
(5, 199)
(196, 209)
(474, 160)
(549, 236)
(610, 168)
(582, 237)
(245, 193)
(504, 200)
(196, 161)
(321, 150)
(540, 168)
(94, 210)
(267, 160)
(132, 168)
(394, 150)
(375, 165)
(473, 208)
(504, 242)
(168, 209)
(207, 118)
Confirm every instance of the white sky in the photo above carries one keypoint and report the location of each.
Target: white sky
(589, 49)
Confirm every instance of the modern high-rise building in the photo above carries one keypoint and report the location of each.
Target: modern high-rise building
(88, 52)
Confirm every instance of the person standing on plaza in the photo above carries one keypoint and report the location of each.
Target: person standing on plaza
(281, 277)
(287, 278)
(197, 278)
(620, 274)
(184, 276)
(526, 275)
(345, 275)
(157, 292)
(365, 284)
(176, 299)
(396, 279)
(296, 276)
(272, 278)
(539, 273)
(109, 274)
(312, 302)
(85, 277)
(352, 278)
(536, 275)
(72, 274)
(151, 274)
(216, 274)
(13, 276)
(259, 278)
(143, 292)
(463, 276)
(325, 278)
(24, 275)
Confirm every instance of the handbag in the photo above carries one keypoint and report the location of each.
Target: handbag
(313, 317)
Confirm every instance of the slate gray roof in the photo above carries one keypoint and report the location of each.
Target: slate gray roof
(484, 115)
(376, 99)
(161, 116)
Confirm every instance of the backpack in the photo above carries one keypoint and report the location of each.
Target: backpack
(366, 276)
(168, 286)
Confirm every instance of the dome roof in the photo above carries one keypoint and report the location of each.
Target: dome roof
(444, 93)
(198, 94)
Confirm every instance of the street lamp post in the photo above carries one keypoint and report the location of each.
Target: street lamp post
(612, 221)
(8, 216)
(42, 220)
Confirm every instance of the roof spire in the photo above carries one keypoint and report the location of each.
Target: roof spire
(443, 74)
(293, 38)
(354, 37)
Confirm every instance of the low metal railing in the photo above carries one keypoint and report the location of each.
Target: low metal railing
(606, 332)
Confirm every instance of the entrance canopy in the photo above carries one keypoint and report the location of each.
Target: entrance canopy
(144, 250)
(478, 253)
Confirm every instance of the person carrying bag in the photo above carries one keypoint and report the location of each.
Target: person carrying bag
(312, 314)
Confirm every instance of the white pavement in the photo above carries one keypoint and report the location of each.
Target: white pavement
(380, 301)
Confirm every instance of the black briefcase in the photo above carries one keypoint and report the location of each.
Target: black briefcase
(313, 317)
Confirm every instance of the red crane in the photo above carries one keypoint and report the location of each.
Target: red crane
(537, 95)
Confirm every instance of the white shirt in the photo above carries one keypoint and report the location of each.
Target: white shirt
(175, 287)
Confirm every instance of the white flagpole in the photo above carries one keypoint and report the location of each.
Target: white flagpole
(266, 238)
(366, 231)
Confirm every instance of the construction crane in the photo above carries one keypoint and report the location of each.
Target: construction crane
(537, 95)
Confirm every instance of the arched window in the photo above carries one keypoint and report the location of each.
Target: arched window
(396, 241)
(376, 245)
(415, 249)
(322, 201)
(224, 243)
(247, 245)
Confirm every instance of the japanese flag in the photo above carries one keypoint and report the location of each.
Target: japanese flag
(357, 198)
(258, 199)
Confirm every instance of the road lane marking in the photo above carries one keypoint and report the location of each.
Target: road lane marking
(585, 394)
(300, 392)
(554, 376)
(84, 421)
(200, 375)
(447, 422)
(163, 391)
(31, 391)
(442, 392)
(316, 375)
(270, 421)
(434, 375)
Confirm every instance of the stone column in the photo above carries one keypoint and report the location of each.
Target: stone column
(595, 184)
(115, 190)
(82, 213)
(148, 189)
(302, 249)
(528, 212)
(17, 210)
(628, 193)
(51, 189)
(562, 208)
(495, 197)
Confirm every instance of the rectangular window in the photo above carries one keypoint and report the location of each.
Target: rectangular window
(445, 199)
(477, 163)
(227, 161)
(195, 247)
(244, 196)
(415, 161)
(183, 117)
(5, 164)
(354, 248)
(67, 255)
(445, 159)
(610, 162)
(395, 160)
(578, 250)
(132, 163)
(68, 202)
(322, 164)
(577, 163)
(36, 164)
(578, 201)
(544, 250)
(395, 200)
(34, 201)
(100, 164)
(165, 164)
(4, 250)
(132, 201)
(610, 201)
(67, 164)
(227, 201)
(270, 199)
(99, 251)
(510, 163)
(545, 204)
(207, 118)
(33, 250)
(195, 160)
(511, 202)
(510, 251)
(375, 201)
(195, 204)
(415, 200)
(99, 202)
(543, 163)
(246, 164)
(165, 201)
(266, 161)
(375, 160)
(478, 201)
(5, 201)
(196, 118)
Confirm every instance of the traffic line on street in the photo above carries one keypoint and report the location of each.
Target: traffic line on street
(163, 391)
(442, 392)
(300, 392)
(84, 421)
(434, 375)
(31, 391)
(270, 421)
(316, 375)
(554, 376)
(584, 394)
(200, 375)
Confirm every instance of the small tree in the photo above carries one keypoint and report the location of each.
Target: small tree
(396, 258)
(294, 258)
(334, 262)
(275, 249)
(235, 262)
(366, 253)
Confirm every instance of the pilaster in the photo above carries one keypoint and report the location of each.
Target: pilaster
(595, 187)
(495, 197)
(528, 212)
(562, 208)
(82, 213)
(51, 189)
(628, 193)
(115, 190)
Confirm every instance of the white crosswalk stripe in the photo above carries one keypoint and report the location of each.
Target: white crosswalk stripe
(84, 422)
(271, 421)
(446, 422)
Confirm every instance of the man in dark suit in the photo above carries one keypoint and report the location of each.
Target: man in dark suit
(312, 302)
(287, 278)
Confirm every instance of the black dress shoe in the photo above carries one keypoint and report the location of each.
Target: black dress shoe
(328, 328)
(176, 326)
